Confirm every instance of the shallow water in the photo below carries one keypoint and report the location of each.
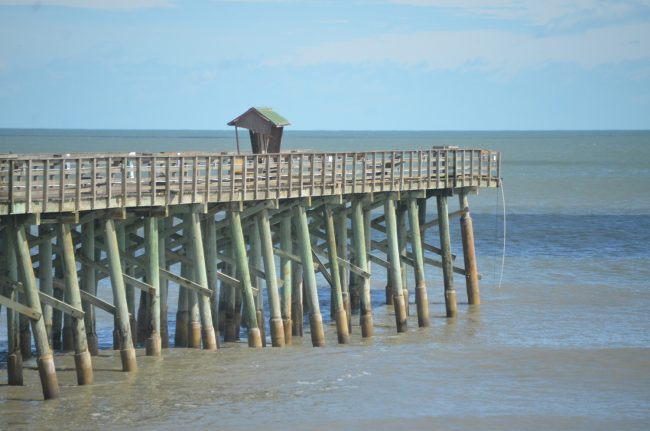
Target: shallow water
(563, 343)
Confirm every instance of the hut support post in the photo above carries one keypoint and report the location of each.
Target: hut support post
(395, 265)
(153, 344)
(309, 276)
(82, 360)
(88, 284)
(361, 258)
(46, 370)
(127, 352)
(469, 253)
(201, 277)
(14, 356)
(254, 336)
(447, 263)
(275, 321)
(286, 244)
(340, 315)
(421, 299)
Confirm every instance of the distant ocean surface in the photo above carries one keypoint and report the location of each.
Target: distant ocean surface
(562, 343)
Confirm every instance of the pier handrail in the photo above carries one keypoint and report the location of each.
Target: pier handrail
(40, 183)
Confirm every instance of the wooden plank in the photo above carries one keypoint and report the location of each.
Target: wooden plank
(20, 308)
(185, 282)
(139, 284)
(61, 306)
(321, 251)
(99, 303)
(232, 281)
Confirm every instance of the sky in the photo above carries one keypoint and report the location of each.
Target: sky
(326, 65)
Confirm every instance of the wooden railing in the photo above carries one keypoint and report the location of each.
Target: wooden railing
(77, 182)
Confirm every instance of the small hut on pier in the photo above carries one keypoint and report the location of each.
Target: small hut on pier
(265, 128)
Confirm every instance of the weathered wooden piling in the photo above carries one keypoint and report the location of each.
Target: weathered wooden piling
(45, 360)
(343, 252)
(361, 259)
(88, 283)
(207, 330)
(254, 335)
(127, 352)
(254, 259)
(46, 275)
(395, 265)
(14, 356)
(309, 275)
(402, 242)
(469, 254)
(210, 247)
(153, 343)
(447, 263)
(286, 269)
(275, 322)
(340, 315)
(82, 359)
(421, 297)
(164, 283)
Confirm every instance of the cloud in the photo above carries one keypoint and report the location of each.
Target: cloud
(495, 51)
(91, 4)
(551, 13)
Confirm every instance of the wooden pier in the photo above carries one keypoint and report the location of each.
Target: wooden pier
(231, 220)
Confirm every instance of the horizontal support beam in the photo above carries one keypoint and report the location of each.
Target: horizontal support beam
(185, 282)
(139, 284)
(99, 303)
(379, 261)
(20, 308)
(350, 266)
(232, 281)
(61, 306)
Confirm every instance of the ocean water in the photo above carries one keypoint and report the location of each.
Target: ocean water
(560, 341)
